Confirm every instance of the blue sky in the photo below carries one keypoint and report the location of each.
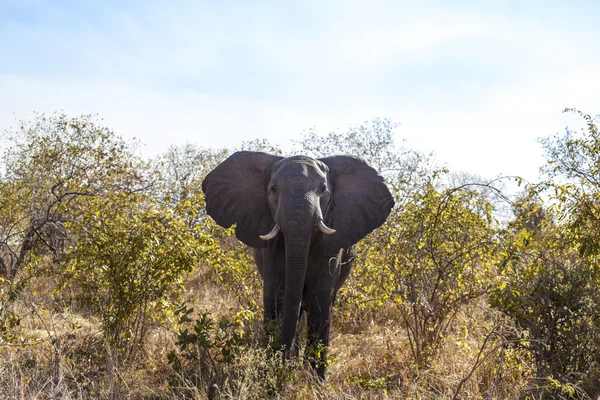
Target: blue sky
(475, 82)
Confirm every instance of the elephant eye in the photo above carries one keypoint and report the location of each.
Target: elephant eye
(272, 190)
(323, 188)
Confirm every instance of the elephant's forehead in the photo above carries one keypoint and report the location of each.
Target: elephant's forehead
(299, 168)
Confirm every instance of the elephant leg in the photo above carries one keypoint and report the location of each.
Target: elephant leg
(323, 280)
(273, 274)
(318, 323)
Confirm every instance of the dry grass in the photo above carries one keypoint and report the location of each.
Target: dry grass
(66, 358)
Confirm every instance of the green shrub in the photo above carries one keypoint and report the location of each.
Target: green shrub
(429, 260)
(128, 265)
(219, 358)
(548, 289)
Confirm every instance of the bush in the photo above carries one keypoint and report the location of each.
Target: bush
(218, 358)
(128, 266)
(429, 260)
(549, 291)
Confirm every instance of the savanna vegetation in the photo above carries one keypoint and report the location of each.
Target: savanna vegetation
(115, 284)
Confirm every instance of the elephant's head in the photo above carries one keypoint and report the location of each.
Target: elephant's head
(337, 199)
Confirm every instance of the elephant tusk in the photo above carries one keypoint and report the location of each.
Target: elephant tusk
(271, 234)
(325, 229)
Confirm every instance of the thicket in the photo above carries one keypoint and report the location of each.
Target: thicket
(115, 283)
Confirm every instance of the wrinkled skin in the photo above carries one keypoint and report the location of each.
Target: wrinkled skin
(302, 267)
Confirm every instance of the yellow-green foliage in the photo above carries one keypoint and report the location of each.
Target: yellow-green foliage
(129, 263)
(431, 258)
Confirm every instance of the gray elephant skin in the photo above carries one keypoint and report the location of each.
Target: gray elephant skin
(303, 217)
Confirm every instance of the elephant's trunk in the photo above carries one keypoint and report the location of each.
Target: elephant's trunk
(296, 258)
(298, 231)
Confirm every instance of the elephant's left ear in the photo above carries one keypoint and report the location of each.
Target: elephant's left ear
(361, 201)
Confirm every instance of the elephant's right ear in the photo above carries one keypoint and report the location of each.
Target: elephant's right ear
(235, 194)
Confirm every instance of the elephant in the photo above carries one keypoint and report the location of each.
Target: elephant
(303, 217)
